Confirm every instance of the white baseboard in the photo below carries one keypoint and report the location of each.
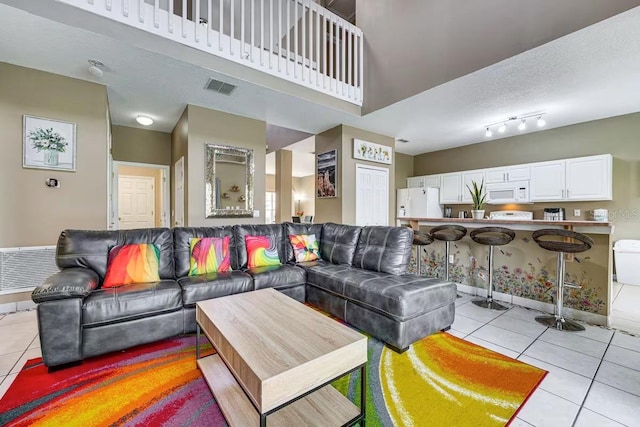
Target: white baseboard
(545, 307)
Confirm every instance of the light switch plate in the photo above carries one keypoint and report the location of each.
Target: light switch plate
(256, 214)
(576, 212)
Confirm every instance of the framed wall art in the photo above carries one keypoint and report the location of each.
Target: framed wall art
(48, 144)
(372, 152)
(326, 174)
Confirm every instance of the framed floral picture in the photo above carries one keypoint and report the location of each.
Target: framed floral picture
(371, 151)
(49, 144)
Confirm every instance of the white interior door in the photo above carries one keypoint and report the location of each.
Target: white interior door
(136, 202)
(372, 195)
(178, 192)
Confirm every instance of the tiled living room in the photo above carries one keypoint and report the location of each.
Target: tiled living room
(458, 247)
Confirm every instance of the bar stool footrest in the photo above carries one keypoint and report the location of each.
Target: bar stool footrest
(572, 285)
(560, 323)
(492, 305)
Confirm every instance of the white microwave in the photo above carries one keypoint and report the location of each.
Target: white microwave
(508, 192)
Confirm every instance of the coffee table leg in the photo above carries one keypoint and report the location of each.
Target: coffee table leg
(197, 341)
(363, 394)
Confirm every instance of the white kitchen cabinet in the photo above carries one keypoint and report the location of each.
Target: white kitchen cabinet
(415, 182)
(589, 178)
(548, 181)
(467, 179)
(507, 174)
(450, 186)
(432, 181)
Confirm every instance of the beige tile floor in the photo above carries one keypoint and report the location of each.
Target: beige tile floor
(593, 380)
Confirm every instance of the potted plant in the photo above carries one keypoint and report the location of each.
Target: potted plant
(49, 141)
(478, 196)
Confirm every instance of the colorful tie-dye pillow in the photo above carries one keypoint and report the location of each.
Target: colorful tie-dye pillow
(132, 264)
(261, 251)
(209, 255)
(305, 247)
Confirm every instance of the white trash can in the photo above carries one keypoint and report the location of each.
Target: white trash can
(627, 258)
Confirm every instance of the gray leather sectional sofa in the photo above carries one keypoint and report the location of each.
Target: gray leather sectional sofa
(361, 278)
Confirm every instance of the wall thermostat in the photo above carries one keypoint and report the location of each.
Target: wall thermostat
(52, 183)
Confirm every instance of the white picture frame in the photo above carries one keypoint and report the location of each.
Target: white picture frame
(48, 144)
(372, 152)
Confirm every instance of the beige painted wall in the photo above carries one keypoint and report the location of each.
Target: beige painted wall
(179, 144)
(403, 169)
(284, 185)
(618, 136)
(210, 126)
(305, 188)
(415, 45)
(270, 184)
(140, 145)
(154, 173)
(32, 214)
(342, 209)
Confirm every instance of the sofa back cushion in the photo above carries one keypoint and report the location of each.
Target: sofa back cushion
(90, 249)
(338, 242)
(275, 231)
(182, 240)
(384, 249)
(298, 229)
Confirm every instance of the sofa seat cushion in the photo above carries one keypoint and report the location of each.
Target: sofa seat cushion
(213, 285)
(278, 276)
(111, 305)
(399, 297)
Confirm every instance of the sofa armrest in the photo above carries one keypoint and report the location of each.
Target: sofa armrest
(68, 283)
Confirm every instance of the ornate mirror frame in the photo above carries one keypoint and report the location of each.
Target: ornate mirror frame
(241, 193)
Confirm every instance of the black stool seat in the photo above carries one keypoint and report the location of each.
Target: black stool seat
(491, 236)
(572, 243)
(496, 236)
(421, 238)
(585, 244)
(448, 233)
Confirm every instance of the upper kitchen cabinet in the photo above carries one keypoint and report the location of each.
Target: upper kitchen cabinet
(424, 181)
(589, 178)
(467, 180)
(507, 174)
(450, 186)
(577, 179)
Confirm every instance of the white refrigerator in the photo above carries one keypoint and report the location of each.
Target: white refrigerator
(418, 203)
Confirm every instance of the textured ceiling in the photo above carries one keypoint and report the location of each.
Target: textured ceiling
(587, 75)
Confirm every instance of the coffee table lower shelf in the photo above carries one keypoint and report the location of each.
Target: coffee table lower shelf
(326, 406)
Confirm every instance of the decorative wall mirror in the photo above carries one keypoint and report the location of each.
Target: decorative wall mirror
(228, 182)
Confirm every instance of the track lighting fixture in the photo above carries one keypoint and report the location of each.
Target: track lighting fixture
(522, 126)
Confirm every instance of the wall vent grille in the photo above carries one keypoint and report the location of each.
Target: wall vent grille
(25, 268)
(220, 87)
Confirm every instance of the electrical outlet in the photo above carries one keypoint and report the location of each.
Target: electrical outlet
(452, 259)
(576, 212)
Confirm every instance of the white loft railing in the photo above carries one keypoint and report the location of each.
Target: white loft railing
(293, 39)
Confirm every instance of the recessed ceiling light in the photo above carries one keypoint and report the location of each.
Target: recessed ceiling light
(144, 120)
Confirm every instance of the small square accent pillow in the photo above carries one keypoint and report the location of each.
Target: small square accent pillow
(209, 255)
(261, 251)
(132, 264)
(305, 247)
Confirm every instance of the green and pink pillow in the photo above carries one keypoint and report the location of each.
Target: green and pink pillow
(128, 264)
(261, 251)
(209, 255)
(305, 247)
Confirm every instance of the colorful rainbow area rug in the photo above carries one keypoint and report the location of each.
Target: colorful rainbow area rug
(440, 381)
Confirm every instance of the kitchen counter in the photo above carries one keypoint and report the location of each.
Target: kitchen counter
(586, 227)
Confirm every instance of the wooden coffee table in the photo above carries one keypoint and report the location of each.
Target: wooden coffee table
(276, 359)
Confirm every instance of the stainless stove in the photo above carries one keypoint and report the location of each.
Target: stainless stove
(512, 215)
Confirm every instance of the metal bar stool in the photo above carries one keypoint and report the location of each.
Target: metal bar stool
(491, 236)
(420, 239)
(584, 243)
(448, 234)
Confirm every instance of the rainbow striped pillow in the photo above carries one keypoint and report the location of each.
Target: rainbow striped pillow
(261, 251)
(132, 264)
(209, 255)
(305, 247)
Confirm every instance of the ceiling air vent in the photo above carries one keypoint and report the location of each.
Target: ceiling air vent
(220, 87)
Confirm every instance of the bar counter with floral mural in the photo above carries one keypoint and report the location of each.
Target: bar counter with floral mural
(524, 273)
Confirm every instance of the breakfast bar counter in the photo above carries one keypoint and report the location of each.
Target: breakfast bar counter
(586, 227)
